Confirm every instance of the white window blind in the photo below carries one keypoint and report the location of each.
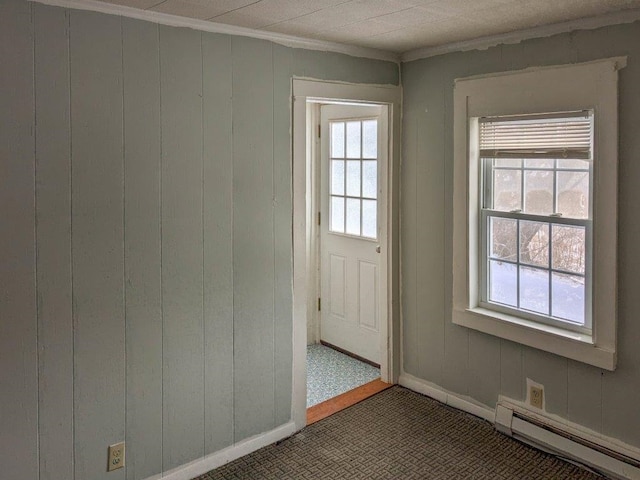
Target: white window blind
(568, 135)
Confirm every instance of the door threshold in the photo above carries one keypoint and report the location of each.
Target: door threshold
(349, 354)
(345, 400)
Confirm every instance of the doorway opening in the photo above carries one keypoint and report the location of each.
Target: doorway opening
(337, 380)
(344, 145)
(349, 158)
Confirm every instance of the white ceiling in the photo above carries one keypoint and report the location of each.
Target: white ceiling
(390, 25)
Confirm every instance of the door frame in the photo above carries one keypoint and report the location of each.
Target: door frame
(306, 93)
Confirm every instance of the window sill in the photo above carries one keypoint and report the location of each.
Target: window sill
(576, 346)
(541, 327)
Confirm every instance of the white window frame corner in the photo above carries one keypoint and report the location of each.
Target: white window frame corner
(549, 89)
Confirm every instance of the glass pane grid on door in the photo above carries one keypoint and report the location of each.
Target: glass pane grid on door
(353, 178)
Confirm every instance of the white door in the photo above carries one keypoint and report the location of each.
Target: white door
(353, 228)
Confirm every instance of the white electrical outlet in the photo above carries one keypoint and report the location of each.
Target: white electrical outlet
(116, 456)
(535, 394)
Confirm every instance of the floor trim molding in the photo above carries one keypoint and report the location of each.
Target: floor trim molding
(205, 464)
(443, 396)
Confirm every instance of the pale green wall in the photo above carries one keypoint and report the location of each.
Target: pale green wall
(145, 239)
(482, 366)
(145, 220)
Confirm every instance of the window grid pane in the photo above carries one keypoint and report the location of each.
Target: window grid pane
(534, 290)
(337, 140)
(540, 186)
(353, 178)
(369, 218)
(353, 216)
(337, 214)
(547, 272)
(354, 130)
(337, 177)
(370, 139)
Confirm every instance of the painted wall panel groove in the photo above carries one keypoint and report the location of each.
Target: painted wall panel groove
(97, 216)
(409, 248)
(484, 367)
(142, 249)
(218, 241)
(584, 395)
(253, 237)
(53, 241)
(435, 359)
(511, 379)
(282, 228)
(181, 97)
(160, 196)
(18, 312)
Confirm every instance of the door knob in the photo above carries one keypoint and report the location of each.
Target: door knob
(378, 249)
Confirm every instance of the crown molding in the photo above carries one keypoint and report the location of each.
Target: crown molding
(206, 26)
(483, 43)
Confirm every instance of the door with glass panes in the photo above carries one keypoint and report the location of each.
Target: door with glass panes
(353, 228)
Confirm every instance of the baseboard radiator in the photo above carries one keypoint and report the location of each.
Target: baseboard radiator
(553, 437)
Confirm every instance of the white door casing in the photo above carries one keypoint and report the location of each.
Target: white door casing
(307, 94)
(353, 193)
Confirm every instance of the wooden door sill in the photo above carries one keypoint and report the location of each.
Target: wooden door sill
(345, 400)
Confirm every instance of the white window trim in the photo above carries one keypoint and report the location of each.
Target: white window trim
(592, 85)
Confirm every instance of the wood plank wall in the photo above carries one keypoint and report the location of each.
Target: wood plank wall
(97, 237)
(142, 247)
(53, 211)
(18, 307)
(469, 362)
(145, 239)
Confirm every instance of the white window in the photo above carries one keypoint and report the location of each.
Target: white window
(535, 180)
(535, 222)
(354, 178)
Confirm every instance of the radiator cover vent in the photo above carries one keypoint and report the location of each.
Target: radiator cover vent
(549, 435)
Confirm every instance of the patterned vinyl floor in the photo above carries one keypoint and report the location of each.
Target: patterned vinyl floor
(330, 373)
(399, 434)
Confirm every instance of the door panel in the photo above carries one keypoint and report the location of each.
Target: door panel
(337, 285)
(353, 200)
(367, 295)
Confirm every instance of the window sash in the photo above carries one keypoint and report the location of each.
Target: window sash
(485, 258)
(533, 217)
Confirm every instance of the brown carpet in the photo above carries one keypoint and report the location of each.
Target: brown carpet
(399, 434)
